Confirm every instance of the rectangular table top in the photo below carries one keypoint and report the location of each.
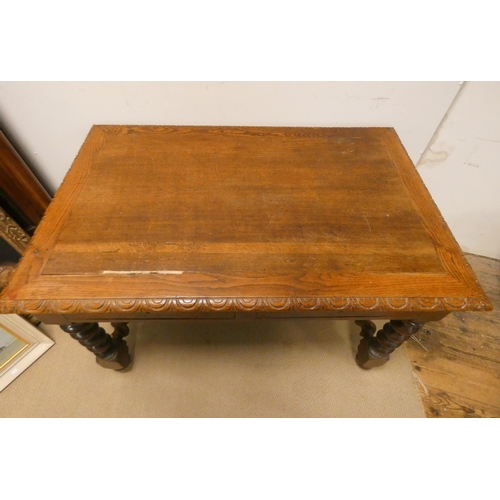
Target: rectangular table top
(164, 218)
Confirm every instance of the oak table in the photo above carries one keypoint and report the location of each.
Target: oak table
(169, 222)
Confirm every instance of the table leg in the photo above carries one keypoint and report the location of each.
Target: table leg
(374, 349)
(111, 350)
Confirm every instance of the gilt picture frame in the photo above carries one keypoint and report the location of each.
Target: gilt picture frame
(21, 344)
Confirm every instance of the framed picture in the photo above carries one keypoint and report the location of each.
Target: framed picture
(13, 241)
(21, 344)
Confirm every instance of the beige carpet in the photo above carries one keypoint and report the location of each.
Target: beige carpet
(260, 368)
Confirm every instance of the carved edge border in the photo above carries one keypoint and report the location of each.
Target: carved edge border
(275, 304)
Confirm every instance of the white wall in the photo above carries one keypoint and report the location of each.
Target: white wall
(49, 120)
(461, 168)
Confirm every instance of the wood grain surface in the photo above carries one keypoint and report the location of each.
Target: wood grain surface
(158, 219)
(457, 360)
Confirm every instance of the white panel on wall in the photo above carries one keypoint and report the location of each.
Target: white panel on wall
(461, 168)
(50, 120)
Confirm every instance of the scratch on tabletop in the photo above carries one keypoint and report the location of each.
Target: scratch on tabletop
(367, 222)
(142, 272)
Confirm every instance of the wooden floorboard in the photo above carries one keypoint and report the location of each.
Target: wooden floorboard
(457, 360)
